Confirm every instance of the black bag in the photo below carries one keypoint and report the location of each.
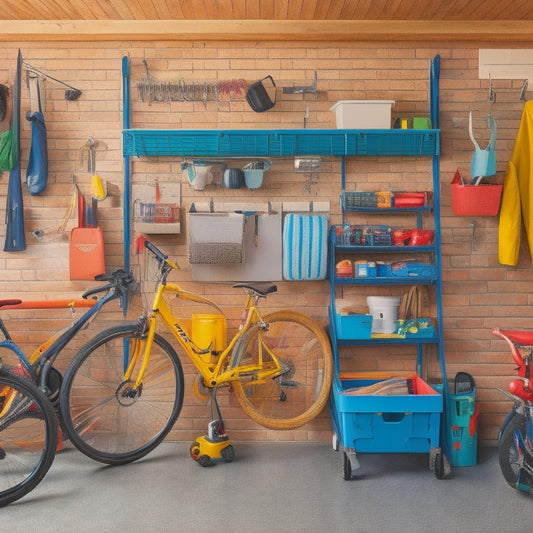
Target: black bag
(257, 95)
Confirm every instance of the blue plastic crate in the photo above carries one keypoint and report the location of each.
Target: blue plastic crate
(354, 326)
(407, 423)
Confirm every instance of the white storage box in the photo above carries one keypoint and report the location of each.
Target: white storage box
(363, 114)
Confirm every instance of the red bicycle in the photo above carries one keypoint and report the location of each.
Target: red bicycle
(515, 438)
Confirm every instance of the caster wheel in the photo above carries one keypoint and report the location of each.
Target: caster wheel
(439, 466)
(346, 467)
(350, 463)
(438, 463)
(228, 454)
(195, 450)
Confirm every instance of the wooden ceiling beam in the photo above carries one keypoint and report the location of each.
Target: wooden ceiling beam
(261, 30)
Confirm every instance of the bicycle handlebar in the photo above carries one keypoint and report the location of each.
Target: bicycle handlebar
(119, 280)
(156, 251)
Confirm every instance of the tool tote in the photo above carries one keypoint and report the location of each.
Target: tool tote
(87, 258)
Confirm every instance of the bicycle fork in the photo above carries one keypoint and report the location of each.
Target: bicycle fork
(134, 350)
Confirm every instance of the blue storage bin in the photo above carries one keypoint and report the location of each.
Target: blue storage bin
(353, 326)
(372, 423)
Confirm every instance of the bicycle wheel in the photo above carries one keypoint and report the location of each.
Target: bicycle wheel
(508, 454)
(103, 417)
(299, 393)
(28, 436)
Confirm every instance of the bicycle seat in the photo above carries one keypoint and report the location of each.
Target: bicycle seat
(262, 289)
(525, 338)
(10, 302)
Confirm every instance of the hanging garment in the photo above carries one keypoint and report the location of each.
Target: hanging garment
(37, 171)
(517, 188)
(483, 161)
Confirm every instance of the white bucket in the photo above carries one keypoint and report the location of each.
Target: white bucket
(384, 310)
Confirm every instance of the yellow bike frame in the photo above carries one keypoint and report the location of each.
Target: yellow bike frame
(214, 374)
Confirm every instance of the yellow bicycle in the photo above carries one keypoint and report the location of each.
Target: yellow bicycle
(124, 390)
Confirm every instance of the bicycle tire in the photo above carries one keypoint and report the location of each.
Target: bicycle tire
(508, 452)
(28, 437)
(102, 421)
(299, 395)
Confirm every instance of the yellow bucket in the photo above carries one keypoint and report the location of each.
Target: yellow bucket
(209, 332)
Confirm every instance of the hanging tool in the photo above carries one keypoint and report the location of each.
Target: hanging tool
(97, 188)
(70, 94)
(434, 77)
(15, 240)
(62, 224)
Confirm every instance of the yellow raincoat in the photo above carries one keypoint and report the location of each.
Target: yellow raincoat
(517, 197)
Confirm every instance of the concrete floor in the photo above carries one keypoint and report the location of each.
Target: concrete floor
(270, 487)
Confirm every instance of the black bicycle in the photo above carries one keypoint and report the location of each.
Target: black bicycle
(29, 392)
(28, 436)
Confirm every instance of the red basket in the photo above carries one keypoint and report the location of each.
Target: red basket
(475, 200)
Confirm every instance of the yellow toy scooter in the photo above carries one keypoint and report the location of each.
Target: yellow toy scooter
(213, 447)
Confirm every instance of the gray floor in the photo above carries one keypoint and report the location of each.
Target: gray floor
(274, 487)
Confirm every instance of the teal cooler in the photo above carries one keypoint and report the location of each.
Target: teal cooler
(464, 414)
(462, 427)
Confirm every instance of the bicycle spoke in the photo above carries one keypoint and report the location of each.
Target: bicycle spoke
(298, 391)
(106, 418)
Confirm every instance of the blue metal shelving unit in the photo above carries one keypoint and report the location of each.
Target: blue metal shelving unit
(339, 143)
(401, 423)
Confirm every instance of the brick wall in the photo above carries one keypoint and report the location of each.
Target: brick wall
(478, 292)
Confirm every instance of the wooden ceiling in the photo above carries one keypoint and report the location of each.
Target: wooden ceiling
(496, 20)
(495, 10)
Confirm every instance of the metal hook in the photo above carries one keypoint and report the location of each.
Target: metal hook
(492, 94)
(523, 91)
(473, 237)
(70, 94)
